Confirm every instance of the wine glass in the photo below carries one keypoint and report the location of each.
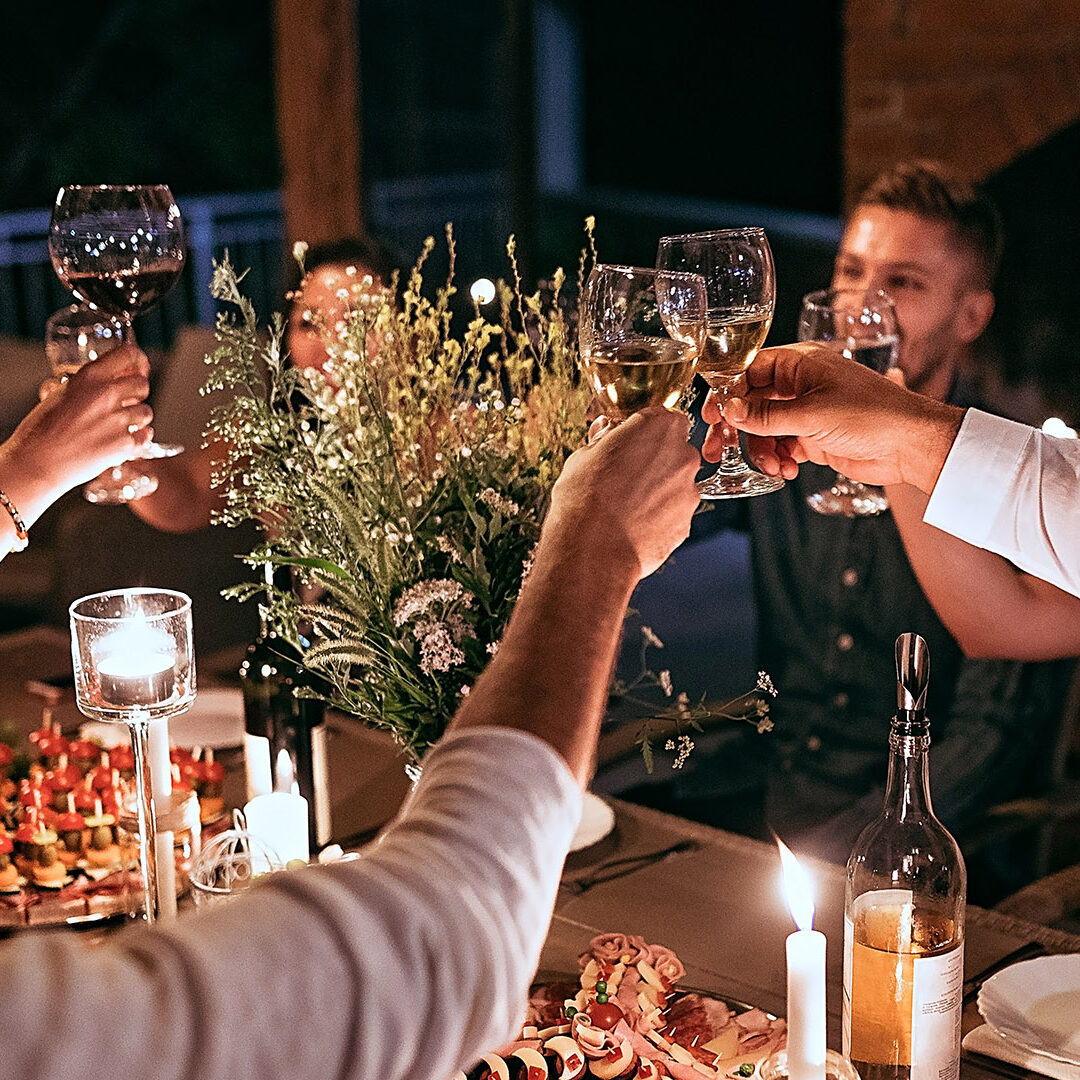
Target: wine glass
(627, 355)
(740, 284)
(75, 335)
(862, 327)
(133, 661)
(119, 249)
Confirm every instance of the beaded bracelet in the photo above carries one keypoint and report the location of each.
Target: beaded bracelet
(21, 539)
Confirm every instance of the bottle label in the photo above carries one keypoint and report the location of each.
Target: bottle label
(901, 1007)
(935, 1023)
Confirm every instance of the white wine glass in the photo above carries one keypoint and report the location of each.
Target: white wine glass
(627, 341)
(862, 327)
(119, 249)
(740, 286)
(77, 335)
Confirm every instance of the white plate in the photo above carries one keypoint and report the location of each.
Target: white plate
(597, 820)
(215, 719)
(1036, 1004)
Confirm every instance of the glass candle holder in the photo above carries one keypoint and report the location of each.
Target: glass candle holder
(837, 1067)
(132, 654)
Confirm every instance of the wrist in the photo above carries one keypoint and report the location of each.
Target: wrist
(927, 440)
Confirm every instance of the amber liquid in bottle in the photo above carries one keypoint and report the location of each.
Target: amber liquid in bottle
(904, 913)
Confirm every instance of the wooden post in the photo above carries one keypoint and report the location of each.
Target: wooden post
(318, 118)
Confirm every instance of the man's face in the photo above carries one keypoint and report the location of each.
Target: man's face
(929, 278)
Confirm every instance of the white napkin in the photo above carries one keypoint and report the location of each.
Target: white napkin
(985, 1040)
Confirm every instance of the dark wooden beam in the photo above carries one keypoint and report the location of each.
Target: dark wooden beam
(318, 118)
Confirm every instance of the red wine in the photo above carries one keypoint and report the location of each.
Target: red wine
(123, 292)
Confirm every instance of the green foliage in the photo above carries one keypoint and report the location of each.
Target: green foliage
(406, 486)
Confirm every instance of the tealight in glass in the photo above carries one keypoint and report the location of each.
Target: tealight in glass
(132, 654)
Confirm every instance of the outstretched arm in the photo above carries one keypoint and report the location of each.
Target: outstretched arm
(1017, 616)
(998, 485)
(184, 499)
(416, 958)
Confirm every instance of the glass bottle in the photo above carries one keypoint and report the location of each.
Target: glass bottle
(275, 719)
(904, 910)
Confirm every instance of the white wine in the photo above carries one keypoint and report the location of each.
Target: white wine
(732, 341)
(899, 960)
(631, 375)
(904, 911)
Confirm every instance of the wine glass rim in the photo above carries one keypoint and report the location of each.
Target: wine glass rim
(112, 187)
(183, 607)
(824, 298)
(714, 234)
(650, 271)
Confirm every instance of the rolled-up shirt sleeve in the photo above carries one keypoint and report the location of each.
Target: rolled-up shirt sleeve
(409, 962)
(1015, 491)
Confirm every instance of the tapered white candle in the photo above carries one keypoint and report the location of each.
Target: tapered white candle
(805, 976)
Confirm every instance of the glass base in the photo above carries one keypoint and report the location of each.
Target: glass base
(737, 483)
(846, 498)
(837, 1067)
(122, 484)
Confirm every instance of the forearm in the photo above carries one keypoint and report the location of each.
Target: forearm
(992, 609)
(184, 499)
(925, 435)
(404, 965)
(552, 671)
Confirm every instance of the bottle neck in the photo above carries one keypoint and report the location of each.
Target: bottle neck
(907, 793)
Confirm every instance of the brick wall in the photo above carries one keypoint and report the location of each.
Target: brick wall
(971, 82)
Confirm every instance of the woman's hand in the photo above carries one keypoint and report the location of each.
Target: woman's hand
(93, 421)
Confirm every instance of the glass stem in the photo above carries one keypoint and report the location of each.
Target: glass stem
(731, 459)
(146, 814)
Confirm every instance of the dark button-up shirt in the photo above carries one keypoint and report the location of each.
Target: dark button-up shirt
(832, 595)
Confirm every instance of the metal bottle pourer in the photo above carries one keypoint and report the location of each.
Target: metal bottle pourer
(912, 678)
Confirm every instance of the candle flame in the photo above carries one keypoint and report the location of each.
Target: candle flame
(283, 771)
(798, 888)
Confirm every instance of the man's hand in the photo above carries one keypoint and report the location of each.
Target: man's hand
(630, 492)
(805, 402)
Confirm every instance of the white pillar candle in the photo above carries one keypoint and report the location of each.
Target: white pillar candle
(805, 977)
(280, 821)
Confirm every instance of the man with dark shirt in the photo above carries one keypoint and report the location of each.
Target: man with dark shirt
(833, 593)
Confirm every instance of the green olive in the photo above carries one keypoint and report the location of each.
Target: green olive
(101, 838)
(47, 855)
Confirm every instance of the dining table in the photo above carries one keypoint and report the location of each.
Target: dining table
(716, 899)
(713, 897)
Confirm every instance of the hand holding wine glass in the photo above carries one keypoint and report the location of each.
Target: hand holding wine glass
(119, 249)
(627, 355)
(861, 326)
(740, 285)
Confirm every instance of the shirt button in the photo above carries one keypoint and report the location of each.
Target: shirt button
(813, 743)
(844, 642)
(841, 700)
(850, 577)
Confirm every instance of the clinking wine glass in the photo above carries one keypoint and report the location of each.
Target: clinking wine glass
(77, 335)
(119, 249)
(862, 327)
(639, 336)
(740, 285)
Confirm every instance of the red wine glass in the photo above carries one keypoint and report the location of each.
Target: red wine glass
(119, 249)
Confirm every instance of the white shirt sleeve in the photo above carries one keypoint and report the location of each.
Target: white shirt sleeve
(410, 962)
(1013, 490)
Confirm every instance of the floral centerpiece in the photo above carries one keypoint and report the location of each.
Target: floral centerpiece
(405, 485)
